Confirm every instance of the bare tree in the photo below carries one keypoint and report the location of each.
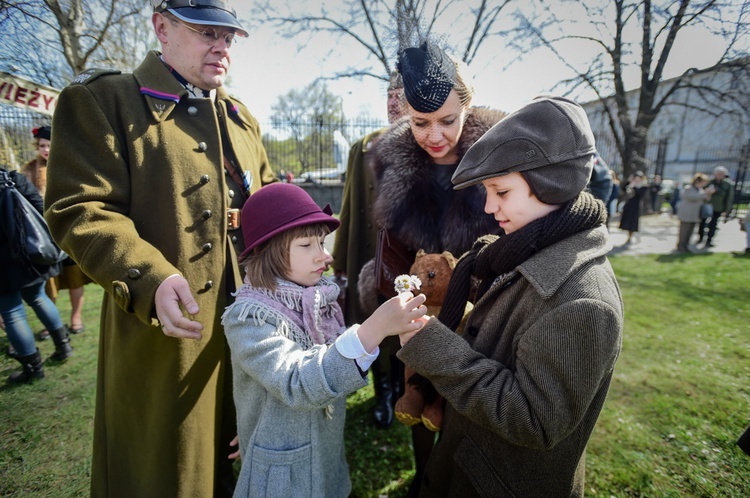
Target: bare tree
(608, 29)
(381, 28)
(52, 41)
(309, 115)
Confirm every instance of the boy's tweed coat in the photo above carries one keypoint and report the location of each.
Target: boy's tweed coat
(136, 192)
(525, 383)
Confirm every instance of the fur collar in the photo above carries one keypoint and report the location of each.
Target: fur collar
(409, 202)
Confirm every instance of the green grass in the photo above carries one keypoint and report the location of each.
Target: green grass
(679, 400)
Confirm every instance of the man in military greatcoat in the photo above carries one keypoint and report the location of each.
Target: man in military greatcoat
(145, 179)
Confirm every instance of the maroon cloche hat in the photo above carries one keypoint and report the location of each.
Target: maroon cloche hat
(278, 207)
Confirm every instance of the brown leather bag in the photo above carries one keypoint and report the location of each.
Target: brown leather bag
(392, 258)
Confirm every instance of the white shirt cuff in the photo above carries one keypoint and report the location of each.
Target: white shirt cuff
(349, 345)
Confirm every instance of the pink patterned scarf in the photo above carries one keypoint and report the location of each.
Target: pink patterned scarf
(312, 314)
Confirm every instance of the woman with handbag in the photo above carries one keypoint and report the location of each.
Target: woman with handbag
(21, 280)
(71, 277)
(415, 204)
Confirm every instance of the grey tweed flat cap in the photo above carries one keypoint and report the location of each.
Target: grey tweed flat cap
(549, 141)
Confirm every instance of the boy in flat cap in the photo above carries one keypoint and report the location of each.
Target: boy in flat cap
(147, 175)
(526, 381)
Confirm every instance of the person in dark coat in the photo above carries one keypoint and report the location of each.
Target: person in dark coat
(20, 281)
(412, 164)
(355, 245)
(146, 176)
(722, 198)
(631, 210)
(527, 378)
(654, 190)
(614, 196)
(71, 277)
(600, 183)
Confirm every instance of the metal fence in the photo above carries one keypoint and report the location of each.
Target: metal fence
(16, 140)
(317, 151)
(676, 171)
(314, 151)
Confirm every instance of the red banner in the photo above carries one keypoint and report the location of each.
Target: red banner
(27, 94)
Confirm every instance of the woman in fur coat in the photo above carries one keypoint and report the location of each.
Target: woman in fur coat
(413, 165)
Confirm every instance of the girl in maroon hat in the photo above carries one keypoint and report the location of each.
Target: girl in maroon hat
(293, 360)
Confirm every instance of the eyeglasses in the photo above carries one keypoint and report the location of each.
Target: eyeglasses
(210, 36)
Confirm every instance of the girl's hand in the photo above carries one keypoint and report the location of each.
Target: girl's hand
(396, 316)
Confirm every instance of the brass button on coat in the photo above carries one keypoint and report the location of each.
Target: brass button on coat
(192, 111)
(134, 274)
(209, 285)
(207, 247)
(205, 179)
(202, 147)
(206, 214)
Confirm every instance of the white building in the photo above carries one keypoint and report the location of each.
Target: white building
(695, 140)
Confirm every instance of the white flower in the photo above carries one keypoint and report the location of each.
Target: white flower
(406, 283)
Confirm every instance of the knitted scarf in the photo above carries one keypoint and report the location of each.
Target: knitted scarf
(306, 315)
(492, 255)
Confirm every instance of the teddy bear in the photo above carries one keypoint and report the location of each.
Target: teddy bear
(420, 401)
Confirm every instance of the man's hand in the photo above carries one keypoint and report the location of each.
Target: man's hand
(235, 454)
(174, 291)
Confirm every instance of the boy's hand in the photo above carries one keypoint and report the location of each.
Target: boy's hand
(406, 336)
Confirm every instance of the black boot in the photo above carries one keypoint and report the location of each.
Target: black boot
(383, 411)
(397, 378)
(32, 369)
(63, 350)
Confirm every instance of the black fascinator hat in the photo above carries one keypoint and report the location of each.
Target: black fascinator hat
(42, 132)
(428, 74)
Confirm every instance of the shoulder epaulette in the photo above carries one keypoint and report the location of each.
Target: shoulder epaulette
(88, 75)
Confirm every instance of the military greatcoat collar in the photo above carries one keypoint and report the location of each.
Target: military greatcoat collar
(162, 91)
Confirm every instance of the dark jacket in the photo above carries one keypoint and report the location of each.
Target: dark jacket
(526, 381)
(15, 273)
(357, 235)
(723, 197)
(600, 183)
(136, 192)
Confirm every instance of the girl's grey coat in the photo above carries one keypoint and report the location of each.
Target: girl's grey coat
(291, 444)
(527, 380)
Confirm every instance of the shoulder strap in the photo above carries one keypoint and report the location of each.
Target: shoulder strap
(88, 75)
(7, 180)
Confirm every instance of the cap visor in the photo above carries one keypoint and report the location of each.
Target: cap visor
(209, 17)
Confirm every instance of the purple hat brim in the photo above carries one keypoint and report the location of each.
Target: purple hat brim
(307, 219)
